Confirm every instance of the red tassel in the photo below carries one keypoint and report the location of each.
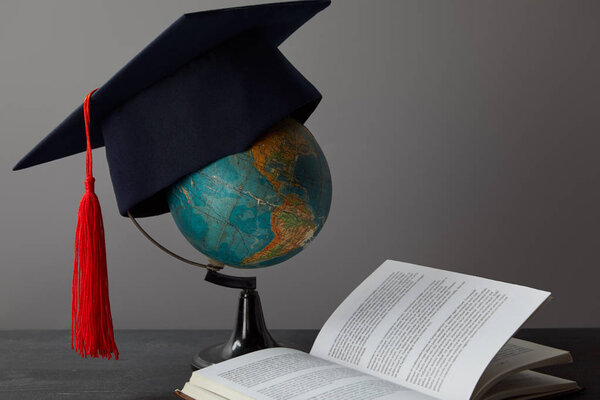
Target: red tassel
(91, 321)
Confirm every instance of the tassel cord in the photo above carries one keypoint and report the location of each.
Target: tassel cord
(91, 321)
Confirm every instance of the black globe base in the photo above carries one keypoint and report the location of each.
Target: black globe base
(250, 332)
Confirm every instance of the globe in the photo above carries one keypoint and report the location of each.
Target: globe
(259, 207)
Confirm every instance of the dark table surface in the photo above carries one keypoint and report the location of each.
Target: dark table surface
(40, 364)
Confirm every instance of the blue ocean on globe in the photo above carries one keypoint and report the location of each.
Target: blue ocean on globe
(259, 207)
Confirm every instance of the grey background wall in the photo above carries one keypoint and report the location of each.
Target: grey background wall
(462, 135)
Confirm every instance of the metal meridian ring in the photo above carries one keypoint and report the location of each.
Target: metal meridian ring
(210, 267)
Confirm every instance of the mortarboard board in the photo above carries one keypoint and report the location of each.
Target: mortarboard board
(205, 88)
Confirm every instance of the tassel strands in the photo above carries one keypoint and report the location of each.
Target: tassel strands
(91, 321)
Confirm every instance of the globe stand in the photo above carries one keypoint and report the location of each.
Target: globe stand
(250, 331)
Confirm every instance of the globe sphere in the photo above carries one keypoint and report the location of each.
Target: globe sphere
(259, 207)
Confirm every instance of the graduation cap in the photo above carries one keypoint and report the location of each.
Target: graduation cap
(205, 88)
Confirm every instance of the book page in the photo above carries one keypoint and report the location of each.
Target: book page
(427, 329)
(287, 374)
(197, 393)
(529, 385)
(517, 355)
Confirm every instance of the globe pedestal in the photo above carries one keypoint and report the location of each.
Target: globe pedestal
(250, 331)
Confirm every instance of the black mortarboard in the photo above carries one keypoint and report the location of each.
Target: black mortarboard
(205, 88)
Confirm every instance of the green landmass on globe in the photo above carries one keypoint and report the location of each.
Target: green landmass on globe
(259, 207)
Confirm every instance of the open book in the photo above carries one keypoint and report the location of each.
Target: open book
(407, 332)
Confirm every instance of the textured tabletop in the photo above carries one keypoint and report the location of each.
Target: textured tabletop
(40, 364)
